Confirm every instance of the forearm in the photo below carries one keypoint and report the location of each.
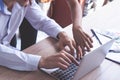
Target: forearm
(18, 60)
(76, 12)
(41, 22)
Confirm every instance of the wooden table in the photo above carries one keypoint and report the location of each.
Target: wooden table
(107, 71)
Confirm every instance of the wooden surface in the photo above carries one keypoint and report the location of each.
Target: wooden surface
(107, 71)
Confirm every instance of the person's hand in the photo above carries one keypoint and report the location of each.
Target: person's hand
(60, 60)
(65, 40)
(83, 41)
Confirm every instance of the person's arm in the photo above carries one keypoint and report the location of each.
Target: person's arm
(18, 60)
(42, 22)
(83, 40)
(82, 2)
(76, 12)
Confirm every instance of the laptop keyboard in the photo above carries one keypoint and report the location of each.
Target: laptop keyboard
(65, 74)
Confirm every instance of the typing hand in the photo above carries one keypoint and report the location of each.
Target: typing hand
(60, 60)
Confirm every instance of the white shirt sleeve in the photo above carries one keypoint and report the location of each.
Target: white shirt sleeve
(18, 60)
(40, 21)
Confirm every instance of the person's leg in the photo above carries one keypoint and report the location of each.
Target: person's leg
(13, 41)
(28, 34)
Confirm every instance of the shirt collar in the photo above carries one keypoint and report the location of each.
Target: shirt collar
(3, 8)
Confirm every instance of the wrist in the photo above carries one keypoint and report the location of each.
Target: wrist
(41, 63)
(75, 25)
(77, 29)
(61, 35)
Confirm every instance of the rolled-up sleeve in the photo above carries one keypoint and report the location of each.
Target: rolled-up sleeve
(18, 60)
(41, 22)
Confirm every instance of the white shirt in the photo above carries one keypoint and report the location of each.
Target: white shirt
(9, 22)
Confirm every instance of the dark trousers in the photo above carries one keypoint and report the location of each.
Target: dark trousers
(27, 33)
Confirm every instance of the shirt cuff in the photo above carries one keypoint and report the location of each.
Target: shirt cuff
(33, 61)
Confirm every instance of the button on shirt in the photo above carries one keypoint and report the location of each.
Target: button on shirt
(9, 22)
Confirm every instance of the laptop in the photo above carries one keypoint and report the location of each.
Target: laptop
(89, 62)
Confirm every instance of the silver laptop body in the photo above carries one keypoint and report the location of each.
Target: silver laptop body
(89, 62)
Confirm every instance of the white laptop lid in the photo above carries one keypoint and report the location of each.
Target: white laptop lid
(92, 60)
